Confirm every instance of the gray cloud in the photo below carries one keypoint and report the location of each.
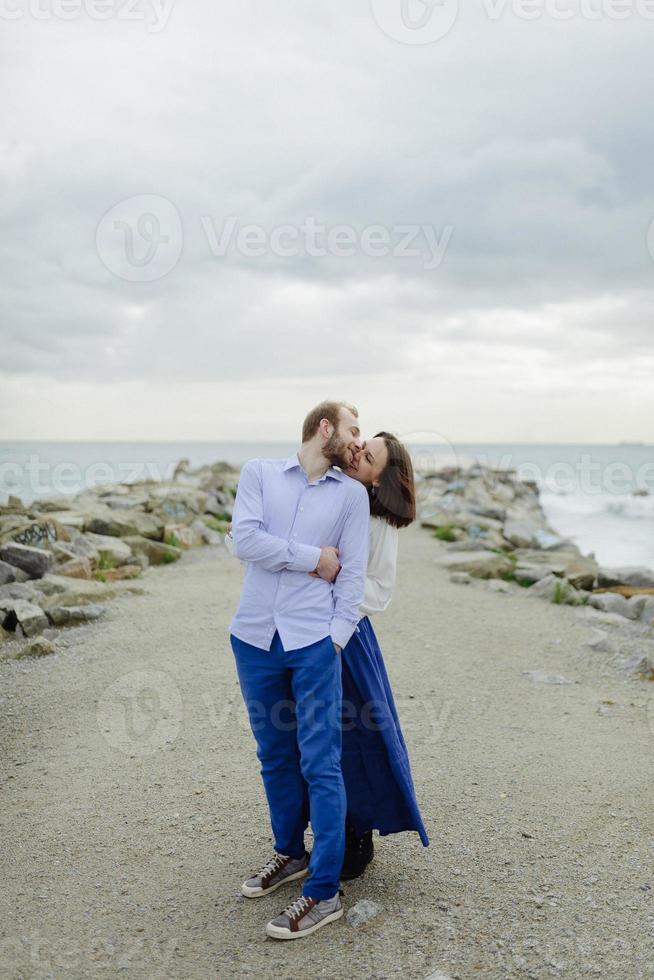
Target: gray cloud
(530, 140)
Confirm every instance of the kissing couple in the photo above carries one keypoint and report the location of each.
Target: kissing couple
(318, 534)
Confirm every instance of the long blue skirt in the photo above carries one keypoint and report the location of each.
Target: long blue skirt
(375, 761)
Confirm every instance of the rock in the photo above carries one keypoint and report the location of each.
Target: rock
(601, 642)
(39, 647)
(460, 578)
(207, 534)
(519, 533)
(646, 614)
(62, 591)
(69, 519)
(637, 575)
(643, 665)
(212, 537)
(19, 612)
(59, 502)
(465, 544)
(120, 524)
(21, 590)
(362, 912)
(177, 503)
(156, 552)
(557, 590)
(7, 573)
(63, 551)
(611, 602)
(182, 536)
(118, 549)
(546, 540)
(528, 574)
(115, 574)
(479, 564)
(497, 585)
(70, 615)
(541, 677)
(582, 573)
(35, 561)
(40, 533)
(76, 568)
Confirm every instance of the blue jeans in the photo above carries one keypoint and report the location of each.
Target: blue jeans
(294, 702)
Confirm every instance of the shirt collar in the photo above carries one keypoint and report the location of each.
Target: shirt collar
(332, 472)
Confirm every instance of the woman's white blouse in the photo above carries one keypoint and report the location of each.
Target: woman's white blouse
(382, 566)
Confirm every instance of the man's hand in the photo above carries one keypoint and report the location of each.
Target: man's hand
(329, 566)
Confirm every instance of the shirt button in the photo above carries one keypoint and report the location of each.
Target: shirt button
(301, 508)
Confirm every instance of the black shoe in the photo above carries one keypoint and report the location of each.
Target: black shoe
(359, 853)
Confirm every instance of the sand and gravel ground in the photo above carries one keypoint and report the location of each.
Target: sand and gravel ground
(132, 806)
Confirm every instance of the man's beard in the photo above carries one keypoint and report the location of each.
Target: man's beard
(336, 451)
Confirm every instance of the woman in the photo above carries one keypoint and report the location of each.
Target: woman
(375, 762)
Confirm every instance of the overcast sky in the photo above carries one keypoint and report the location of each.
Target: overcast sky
(488, 195)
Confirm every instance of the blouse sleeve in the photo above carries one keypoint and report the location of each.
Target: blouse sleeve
(382, 565)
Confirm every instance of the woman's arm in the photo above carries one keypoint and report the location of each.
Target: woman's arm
(382, 567)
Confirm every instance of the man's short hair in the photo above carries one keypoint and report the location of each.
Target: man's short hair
(326, 410)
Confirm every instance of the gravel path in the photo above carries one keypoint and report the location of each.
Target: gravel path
(132, 806)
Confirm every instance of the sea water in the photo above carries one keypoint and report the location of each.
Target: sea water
(599, 496)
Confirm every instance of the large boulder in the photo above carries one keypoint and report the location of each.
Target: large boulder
(582, 572)
(519, 533)
(7, 573)
(115, 574)
(19, 613)
(611, 602)
(557, 590)
(479, 564)
(532, 565)
(22, 590)
(40, 533)
(58, 502)
(642, 607)
(68, 519)
(35, 561)
(62, 591)
(71, 615)
(155, 552)
(76, 568)
(119, 524)
(637, 575)
(183, 535)
(118, 549)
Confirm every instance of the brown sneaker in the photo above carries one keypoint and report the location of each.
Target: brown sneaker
(275, 873)
(304, 916)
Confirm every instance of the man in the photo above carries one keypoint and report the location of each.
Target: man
(302, 528)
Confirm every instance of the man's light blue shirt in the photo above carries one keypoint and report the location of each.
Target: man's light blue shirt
(280, 523)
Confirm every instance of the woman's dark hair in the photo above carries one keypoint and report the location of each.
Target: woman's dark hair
(395, 497)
